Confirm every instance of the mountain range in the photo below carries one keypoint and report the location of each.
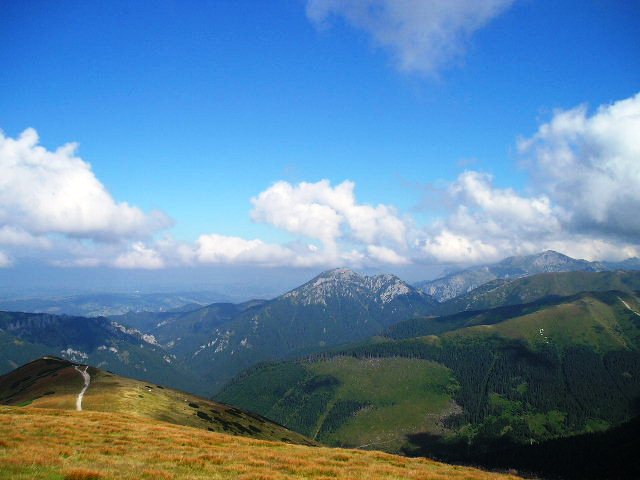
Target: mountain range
(464, 281)
(336, 307)
(467, 387)
(105, 343)
(204, 347)
(370, 361)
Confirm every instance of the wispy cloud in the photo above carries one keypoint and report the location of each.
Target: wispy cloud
(5, 261)
(423, 36)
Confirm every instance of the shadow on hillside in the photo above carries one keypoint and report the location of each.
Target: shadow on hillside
(611, 455)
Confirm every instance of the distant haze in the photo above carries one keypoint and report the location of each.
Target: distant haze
(237, 283)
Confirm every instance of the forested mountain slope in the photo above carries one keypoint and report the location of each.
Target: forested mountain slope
(565, 367)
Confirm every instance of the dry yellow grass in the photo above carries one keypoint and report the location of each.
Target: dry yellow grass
(56, 444)
(55, 383)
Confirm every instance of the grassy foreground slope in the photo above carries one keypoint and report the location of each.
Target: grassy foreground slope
(55, 383)
(54, 444)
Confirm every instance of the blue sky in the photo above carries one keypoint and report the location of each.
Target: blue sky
(191, 109)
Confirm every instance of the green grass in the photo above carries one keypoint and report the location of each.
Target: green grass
(598, 321)
(402, 395)
(536, 287)
(351, 402)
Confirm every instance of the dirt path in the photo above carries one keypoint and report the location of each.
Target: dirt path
(87, 379)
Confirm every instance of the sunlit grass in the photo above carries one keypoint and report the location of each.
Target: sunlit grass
(55, 444)
(405, 395)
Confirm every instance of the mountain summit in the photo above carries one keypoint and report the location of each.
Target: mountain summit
(338, 306)
(345, 283)
(550, 261)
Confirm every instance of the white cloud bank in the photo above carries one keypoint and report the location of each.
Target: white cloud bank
(582, 199)
(423, 36)
(590, 166)
(52, 200)
(585, 170)
(324, 218)
(44, 192)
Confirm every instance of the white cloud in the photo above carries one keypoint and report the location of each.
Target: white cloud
(82, 262)
(326, 213)
(386, 255)
(224, 249)
(590, 167)
(449, 247)
(44, 192)
(488, 223)
(18, 237)
(422, 35)
(305, 209)
(585, 172)
(139, 256)
(582, 199)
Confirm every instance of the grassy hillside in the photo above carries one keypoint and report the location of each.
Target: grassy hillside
(589, 318)
(62, 445)
(529, 289)
(564, 368)
(351, 402)
(55, 383)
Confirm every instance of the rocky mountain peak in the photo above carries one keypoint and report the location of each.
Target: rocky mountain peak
(339, 274)
(345, 283)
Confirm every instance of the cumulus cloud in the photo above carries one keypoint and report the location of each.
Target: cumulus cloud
(386, 255)
(320, 211)
(330, 226)
(44, 192)
(590, 166)
(18, 237)
(585, 173)
(488, 221)
(422, 35)
(581, 199)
